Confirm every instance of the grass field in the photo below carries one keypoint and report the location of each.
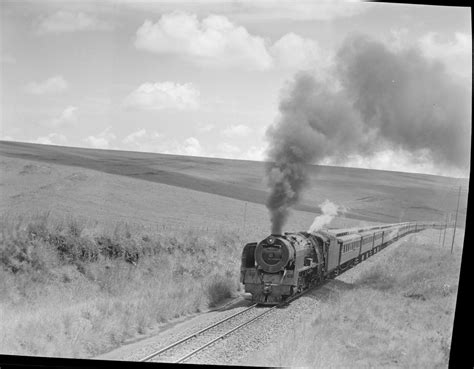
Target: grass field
(396, 314)
(98, 246)
(371, 195)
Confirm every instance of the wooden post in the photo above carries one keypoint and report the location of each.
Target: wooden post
(445, 225)
(439, 238)
(456, 219)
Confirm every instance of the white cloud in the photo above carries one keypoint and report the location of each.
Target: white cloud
(454, 51)
(67, 21)
(52, 139)
(133, 137)
(239, 130)
(255, 153)
(399, 160)
(189, 147)
(67, 116)
(54, 84)
(434, 46)
(154, 96)
(102, 140)
(144, 141)
(192, 147)
(218, 42)
(295, 52)
(213, 40)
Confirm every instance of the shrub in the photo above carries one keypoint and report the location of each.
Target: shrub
(376, 278)
(22, 255)
(219, 288)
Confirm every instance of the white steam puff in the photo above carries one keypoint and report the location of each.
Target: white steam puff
(330, 210)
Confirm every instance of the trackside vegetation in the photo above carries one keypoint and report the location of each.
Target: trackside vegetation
(71, 288)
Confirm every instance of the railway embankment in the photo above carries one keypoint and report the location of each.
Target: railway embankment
(71, 288)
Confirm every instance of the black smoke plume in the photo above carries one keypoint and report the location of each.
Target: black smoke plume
(378, 99)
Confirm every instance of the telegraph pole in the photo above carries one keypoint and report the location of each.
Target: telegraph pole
(445, 226)
(439, 238)
(456, 219)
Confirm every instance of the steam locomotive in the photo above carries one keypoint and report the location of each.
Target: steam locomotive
(286, 264)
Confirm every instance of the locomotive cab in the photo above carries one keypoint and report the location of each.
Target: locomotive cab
(248, 260)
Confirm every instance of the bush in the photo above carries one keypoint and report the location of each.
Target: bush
(219, 288)
(20, 254)
(377, 278)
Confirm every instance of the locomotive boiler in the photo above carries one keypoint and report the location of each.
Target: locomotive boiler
(284, 265)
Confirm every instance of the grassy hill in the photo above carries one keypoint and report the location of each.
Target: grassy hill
(370, 195)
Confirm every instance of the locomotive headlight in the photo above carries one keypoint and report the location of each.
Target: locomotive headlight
(270, 240)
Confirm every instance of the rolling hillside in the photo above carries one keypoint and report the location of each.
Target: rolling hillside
(169, 189)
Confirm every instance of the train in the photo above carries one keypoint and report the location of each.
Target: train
(284, 265)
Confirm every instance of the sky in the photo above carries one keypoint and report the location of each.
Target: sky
(201, 78)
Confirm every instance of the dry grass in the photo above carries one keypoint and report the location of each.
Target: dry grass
(219, 288)
(69, 283)
(398, 314)
(154, 187)
(69, 289)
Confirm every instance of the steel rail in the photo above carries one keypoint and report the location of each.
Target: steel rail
(223, 335)
(182, 359)
(187, 338)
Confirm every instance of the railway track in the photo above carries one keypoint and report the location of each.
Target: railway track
(182, 350)
(185, 348)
